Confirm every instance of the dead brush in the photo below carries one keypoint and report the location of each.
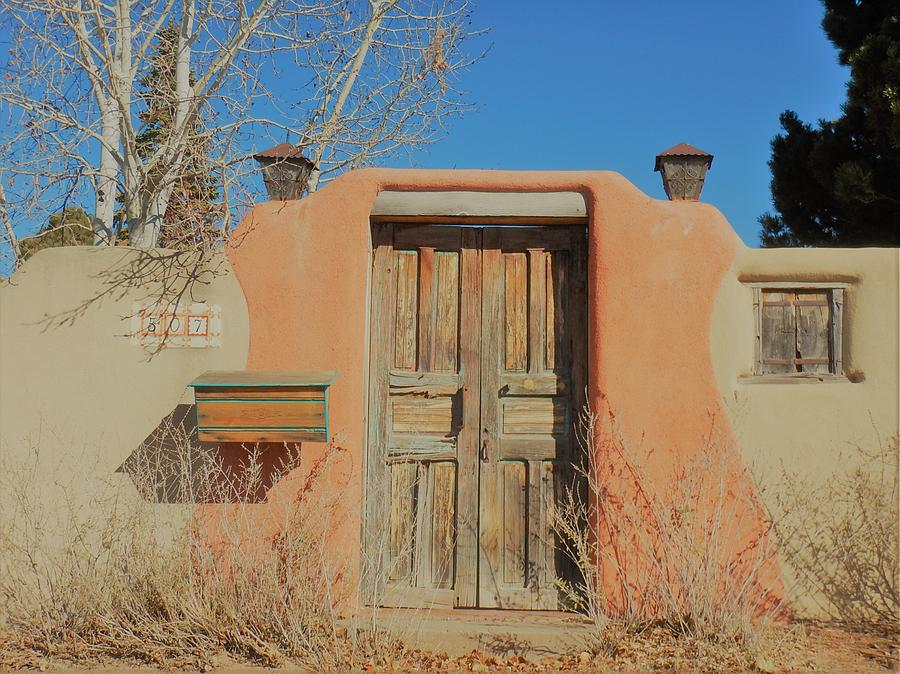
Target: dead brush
(839, 536)
(669, 551)
(211, 571)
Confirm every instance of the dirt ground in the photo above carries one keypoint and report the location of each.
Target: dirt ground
(803, 647)
(830, 649)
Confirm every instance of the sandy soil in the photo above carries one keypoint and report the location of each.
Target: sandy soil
(799, 648)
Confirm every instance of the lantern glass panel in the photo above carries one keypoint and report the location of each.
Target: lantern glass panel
(683, 176)
(284, 179)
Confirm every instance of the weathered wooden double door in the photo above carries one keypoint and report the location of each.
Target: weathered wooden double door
(477, 371)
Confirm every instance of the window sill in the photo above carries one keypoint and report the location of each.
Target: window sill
(796, 379)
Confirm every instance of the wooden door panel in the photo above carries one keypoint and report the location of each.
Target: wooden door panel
(445, 347)
(420, 558)
(557, 293)
(514, 505)
(541, 384)
(532, 346)
(424, 416)
(404, 481)
(520, 557)
(515, 312)
(534, 415)
(427, 416)
(443, 532)
(406, 318)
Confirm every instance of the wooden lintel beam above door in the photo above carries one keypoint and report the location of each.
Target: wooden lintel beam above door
(487, 208)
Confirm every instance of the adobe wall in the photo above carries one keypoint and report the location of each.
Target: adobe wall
(304, 268)
(670, 331)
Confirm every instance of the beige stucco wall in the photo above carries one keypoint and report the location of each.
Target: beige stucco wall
(76, 396)
(812, 430)
(809, 424)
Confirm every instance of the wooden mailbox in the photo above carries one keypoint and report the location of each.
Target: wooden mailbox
(245, 406)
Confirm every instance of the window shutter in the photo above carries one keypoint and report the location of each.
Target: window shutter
(757, 327)
(837, 327)
(813, 328)
(778, 333)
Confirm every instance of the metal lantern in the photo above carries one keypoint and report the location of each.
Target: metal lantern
(683, 169)
(285, 171)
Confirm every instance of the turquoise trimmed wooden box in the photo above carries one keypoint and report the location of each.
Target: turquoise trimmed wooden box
(241, 406)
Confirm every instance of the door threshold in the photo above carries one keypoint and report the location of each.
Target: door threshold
(486, 615)
(494, 632)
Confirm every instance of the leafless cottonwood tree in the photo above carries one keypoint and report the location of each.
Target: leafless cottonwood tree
(351, 80)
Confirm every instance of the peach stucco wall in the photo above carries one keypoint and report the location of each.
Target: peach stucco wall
(655, 268)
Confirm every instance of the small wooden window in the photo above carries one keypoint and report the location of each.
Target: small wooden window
(798, 330)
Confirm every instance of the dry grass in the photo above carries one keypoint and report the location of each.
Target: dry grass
(114, 582)
(667, 554)
(124, 584)
(839, 535)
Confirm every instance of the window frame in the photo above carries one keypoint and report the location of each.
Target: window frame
(836, 297)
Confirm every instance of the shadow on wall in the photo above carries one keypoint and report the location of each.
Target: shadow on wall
(839, 535)
(152, 278)
(172, 466)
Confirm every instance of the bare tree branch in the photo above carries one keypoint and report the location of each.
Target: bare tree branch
(7, 225)
(353, 81)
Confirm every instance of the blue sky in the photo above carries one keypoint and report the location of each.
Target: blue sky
(608, 85)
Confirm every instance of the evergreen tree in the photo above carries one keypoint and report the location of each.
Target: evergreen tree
(194, 210)
(839, 183)
(71, 227)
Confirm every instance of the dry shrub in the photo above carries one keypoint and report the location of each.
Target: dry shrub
(668, 551)
(840, 535)
(116, 580)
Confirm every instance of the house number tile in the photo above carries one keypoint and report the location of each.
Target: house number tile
(191, 325)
